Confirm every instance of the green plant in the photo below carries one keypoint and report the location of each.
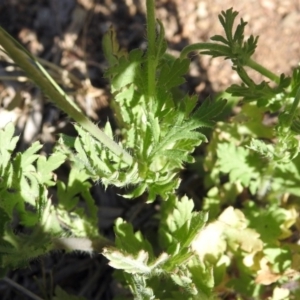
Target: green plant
(160, 129)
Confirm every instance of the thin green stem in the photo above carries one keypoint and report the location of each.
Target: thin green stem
(222, 50)
(262, 70)
(151, 37)
(41, 78)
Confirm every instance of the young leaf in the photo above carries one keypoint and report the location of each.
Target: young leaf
(129, 241)
(137, 264)
(238, 163)
(125, 71)
(172, 76)
(202, 277)
(7, 140)
(208, 111)
(29, 156)
(46, 167)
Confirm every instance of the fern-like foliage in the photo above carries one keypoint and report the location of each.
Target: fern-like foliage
(233, 46)
(240, 50)
(148, 118)
(144, 272)
(160, 130)
(23, 181)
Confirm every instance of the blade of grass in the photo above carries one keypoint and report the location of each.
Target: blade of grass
(35, 71)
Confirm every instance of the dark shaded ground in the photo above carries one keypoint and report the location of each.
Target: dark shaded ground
(68, 33)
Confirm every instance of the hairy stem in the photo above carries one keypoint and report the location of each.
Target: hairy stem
(151, 36)
(31, 67)
(81, 244)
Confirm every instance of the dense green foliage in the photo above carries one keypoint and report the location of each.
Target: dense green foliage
(248, 251)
